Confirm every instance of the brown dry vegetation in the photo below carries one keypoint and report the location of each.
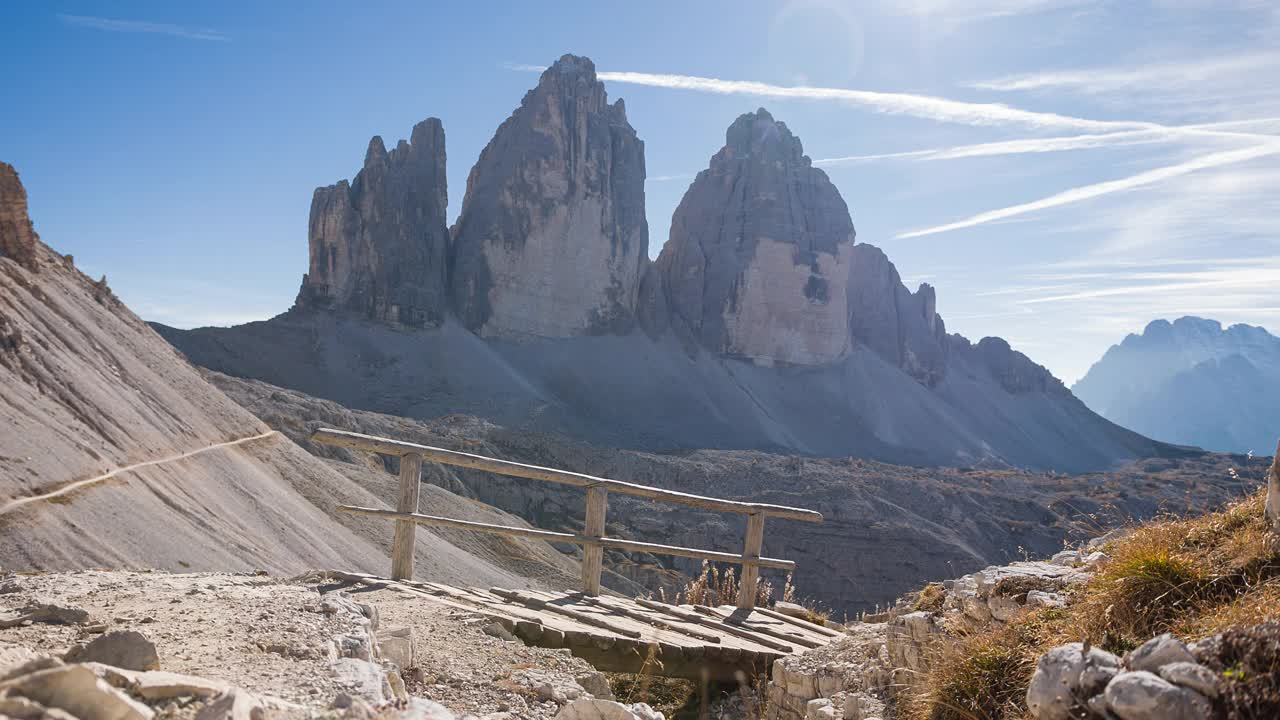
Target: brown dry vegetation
(1192, 577)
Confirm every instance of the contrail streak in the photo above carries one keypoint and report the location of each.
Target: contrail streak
(1087, 192)
(922, 106)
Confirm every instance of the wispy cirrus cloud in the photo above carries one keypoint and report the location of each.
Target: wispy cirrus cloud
(1074, 142)
(1016, 147)
(1148, 78)
(1087, 192)
(925, 107)
(139, 26)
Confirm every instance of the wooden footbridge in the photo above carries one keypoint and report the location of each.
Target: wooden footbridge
(611, 632)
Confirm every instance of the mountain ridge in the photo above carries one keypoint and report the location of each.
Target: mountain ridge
(1191, 382)
(763, 323)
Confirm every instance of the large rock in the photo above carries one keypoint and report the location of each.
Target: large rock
(758, 260)
(594, 709)
(552, 240)
(1145, 696)
(1192, 676)
(128, 649)
(17, 235)
(1157, 652)
(1066, 678)
(379, 244)
(78, 691)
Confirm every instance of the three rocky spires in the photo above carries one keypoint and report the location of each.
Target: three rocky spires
(552, 242)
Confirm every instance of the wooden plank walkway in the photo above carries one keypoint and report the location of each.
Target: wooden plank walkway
(619, 634)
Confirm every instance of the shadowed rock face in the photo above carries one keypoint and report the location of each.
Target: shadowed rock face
(379, 245)
(757, 264)
(17, 236)
(552, 239)
(902, 327)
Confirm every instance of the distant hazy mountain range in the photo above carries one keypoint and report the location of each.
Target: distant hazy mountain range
(1192, 382)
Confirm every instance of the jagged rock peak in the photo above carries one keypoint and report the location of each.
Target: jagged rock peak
(758, 133)
(17, 235)
(552, 239)
(379, 245)
(902, 327)
(757, 264)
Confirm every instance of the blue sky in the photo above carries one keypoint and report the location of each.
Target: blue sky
(1063, 171)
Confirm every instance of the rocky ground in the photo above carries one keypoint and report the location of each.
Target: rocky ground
(1174, 619)
(176, 643)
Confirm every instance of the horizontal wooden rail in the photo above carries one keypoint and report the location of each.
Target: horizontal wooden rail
(552, 536)
(357, 441)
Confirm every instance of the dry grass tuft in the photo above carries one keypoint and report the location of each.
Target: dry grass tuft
(1192, 577)
(930, 599)
(713, 587)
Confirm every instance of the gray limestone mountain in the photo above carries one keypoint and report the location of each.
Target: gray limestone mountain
(552, 240)
(762, 264)
(1192, 382)
(758, 262)
(762, 325)
(379, 245)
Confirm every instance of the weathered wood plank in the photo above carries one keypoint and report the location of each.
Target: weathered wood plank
(553, 536)
(540, 604)
(579, 602)
(717, 624)
(620, 607)
(617, 634)
(742, 622)
(370, 443)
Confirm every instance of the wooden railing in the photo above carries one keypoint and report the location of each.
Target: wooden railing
(592, 538)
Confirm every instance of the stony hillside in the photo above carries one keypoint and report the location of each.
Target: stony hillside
(1171, 619)
(1192, 382)
(888, 528)
(762, 325)
(116, 452)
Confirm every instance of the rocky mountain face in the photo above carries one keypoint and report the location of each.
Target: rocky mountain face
(552, 240)
(758, 262)
(900, 326)
(762, 324)
(17, 236)
(380, 244)
(1192, 382)
(762, 265)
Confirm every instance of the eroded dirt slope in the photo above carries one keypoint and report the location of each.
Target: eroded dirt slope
(87, 388)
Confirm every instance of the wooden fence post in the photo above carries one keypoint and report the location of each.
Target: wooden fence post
(402, 544)
(751, 551)
(593, 555)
